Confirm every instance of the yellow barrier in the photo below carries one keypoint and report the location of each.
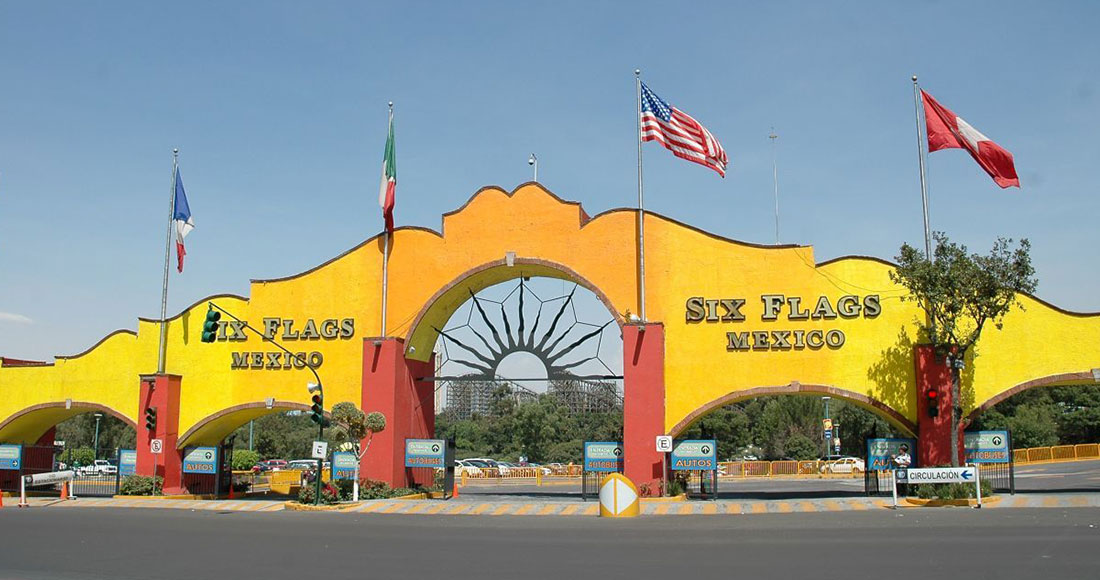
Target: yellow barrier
(1077, 452)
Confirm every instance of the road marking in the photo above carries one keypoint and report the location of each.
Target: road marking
(419, 507)
(784, 507)
(391, 508)
(710, 508)
(1078, 501)
(570, 510)
(733, 508)
(1050, 501)
(760, 508)
(504, 509)
(370, 507)
(482, 508)
(686, 509)
(458, 509)
(438, 508)
(591, 510)
(547, 510)
(524, 509)
(805, 506)
(663, 509)
(833, 506)
(857, 505)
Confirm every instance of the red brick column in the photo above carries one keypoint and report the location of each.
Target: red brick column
(643, 403)
(933, 434)
(162, 392)
(390, 387)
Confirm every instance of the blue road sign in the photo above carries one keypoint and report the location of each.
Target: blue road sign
(127, 462)
(880, 452)
(986, 446)
(603, 456)
(343, 465)
(695, 455)
(10, 456)
(201, 460)
(425, 453)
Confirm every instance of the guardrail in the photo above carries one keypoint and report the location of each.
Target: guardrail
(1056, 453)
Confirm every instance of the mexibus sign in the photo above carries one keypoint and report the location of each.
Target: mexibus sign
(287, 331)
(730, 310)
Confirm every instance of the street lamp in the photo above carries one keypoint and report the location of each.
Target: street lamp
(534, 162)
(95, 440)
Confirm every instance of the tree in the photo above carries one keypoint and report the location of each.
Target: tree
(960, 293)
(355, 426)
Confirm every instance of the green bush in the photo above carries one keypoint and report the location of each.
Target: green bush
(329, 494)
(141, 485)
(243, 460)
(949, 491)
(345, 488)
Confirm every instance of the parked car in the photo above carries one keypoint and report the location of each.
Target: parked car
(302, 464)
(260, 467)
(844, 465)
(98, 467)
(464, 466)
(275, 464)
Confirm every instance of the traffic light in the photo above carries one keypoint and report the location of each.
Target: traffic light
(151, 418)
(210, 327)
(318, 407)
(932, 402)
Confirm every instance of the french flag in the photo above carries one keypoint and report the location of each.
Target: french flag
(182, 218)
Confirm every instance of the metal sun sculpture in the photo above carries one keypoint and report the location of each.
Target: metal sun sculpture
(559, 339)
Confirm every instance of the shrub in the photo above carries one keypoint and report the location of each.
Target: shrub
(344, 487)
(329, 494)
(243, 460)
(141, 485)
(949, 491)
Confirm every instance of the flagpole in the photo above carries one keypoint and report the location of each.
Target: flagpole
(641, 206)
(923, 184)
(162, 349)
(775, 180)
(386, 252)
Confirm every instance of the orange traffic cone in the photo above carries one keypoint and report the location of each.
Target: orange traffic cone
(1, 499)
(64, 490)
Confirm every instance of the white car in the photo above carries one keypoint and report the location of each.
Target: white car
(98, 467)
(464, 466)
(844, 465)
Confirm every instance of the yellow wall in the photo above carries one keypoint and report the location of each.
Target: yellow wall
(552, 237)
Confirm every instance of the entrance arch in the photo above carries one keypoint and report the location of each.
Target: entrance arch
(29, 425)
(423, 332)
(1057, 380)
(873, 405)
(213, 429)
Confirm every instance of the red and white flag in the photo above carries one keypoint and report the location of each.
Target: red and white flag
(388, 188)
(946, 130)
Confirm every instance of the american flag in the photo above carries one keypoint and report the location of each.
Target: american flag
(680, 133)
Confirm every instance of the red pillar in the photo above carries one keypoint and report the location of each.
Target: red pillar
(162, 392)
(933, 434)
(643, 403)
(390, 386)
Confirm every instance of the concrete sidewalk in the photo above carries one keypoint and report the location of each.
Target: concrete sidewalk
(552, 508)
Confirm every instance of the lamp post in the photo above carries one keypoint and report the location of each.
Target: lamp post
(95, 440)
(534, 162)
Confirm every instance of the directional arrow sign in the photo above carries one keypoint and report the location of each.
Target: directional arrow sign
(941, 475)
(618, 497)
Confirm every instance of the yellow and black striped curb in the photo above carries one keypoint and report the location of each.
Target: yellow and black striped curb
(437, 507)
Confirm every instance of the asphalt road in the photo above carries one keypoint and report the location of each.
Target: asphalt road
(914, 543)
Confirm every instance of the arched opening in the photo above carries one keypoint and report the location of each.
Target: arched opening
(82, 436)
(528, 368)
(772, 442)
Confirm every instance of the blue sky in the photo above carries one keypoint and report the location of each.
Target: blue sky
(279, 111)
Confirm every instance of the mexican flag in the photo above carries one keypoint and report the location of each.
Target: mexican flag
(389, 181)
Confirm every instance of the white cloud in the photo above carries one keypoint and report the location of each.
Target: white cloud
(9, 317)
